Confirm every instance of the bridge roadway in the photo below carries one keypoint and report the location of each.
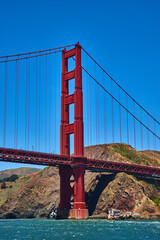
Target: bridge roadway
(47, 159)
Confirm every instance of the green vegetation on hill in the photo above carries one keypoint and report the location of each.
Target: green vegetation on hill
(127, 152)
(3, 185)
(156, 200)
(11, 178)
(7, 192)
(147, 158)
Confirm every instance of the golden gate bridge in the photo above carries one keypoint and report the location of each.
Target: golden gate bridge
(99, 111)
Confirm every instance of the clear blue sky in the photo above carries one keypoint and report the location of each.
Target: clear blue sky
(123, 36)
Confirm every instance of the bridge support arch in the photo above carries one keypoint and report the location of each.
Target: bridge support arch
(79, 210)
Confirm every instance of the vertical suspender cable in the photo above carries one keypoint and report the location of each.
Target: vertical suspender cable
(39, 113)
(141, 132)
(134, 129)
(155, 142)
(154, 153)
(148, 137)
(127, 124)
(87, 106)
(28, 101)
(15, 120)
(90, 113)
(96, 103)
(49, 102)
(98, 113)
(36, 103)
(16, 105)
(112, 115)
(46, 108)
(26, 105)
(104, 110)
(55, 103)
(17, 102)
(120, 125)
(5, 107)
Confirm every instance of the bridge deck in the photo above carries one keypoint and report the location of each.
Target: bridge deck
(46, 159)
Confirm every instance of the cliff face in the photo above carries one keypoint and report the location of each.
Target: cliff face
(36, 195)
(122, 192)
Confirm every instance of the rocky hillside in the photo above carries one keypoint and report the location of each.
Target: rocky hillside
(123, 192)
(36, 195)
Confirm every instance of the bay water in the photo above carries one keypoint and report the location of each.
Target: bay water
(43, 229)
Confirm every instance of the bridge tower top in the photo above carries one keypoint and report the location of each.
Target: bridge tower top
(76, 98)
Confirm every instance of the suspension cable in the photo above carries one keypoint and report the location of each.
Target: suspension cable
(46, 50)
(120, 86)
(120, 103)
(38, 55)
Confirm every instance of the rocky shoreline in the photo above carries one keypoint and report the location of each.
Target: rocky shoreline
(96, 217)
(140, 217)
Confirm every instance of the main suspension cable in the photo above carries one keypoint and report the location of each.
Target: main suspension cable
(120, 103)
(120, 86)
(46, 50)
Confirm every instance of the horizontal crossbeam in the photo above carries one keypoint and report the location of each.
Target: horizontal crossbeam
(70, 53)
(69, 99)
(69, 75)
(69, 128)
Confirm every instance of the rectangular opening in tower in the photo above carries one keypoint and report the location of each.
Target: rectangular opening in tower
(71, 64)
(71, 86)
(71, 113)
(71, 143)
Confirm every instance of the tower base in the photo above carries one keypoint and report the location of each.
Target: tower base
(78, 214)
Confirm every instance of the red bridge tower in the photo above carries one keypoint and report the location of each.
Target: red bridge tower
(79, 210)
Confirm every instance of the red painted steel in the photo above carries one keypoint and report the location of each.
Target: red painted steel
(69, 75)
(70, 99)
(69, 128)
(75, 128)
(64, 172)
(79, 206)
(46, 159)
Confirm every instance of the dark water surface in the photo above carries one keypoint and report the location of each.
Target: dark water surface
(39, 229)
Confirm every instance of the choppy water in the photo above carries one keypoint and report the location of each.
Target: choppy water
(86, 230)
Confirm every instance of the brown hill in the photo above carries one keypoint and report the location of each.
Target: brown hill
(123, 153)
(23, 171)
(35, 198)
(37, 195)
